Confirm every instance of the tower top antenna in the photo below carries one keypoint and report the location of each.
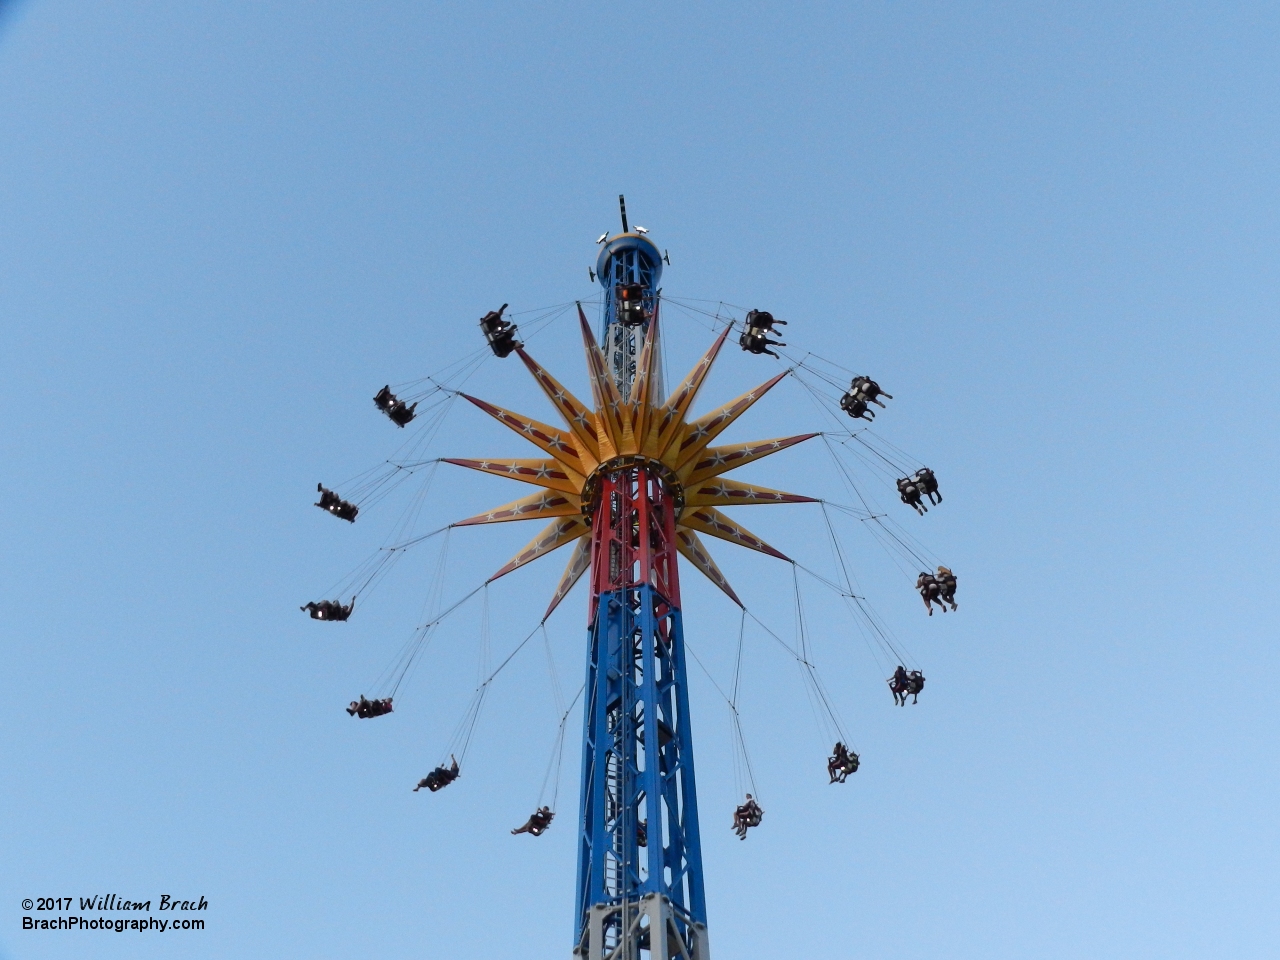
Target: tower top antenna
(622, 206)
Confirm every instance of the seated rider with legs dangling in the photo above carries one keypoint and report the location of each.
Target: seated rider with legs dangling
(746, 816)
(537, 823)
(440, 777)
(395, 408)
(330, 501)
(364, 709)
(841, 763)
(329, 609)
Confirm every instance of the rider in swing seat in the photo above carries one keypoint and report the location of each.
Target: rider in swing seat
(537, 823)
(841, 763)
(746, 816)
(330, 501)
(440, 777)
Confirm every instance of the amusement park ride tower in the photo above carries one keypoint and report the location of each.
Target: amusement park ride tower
(632, 483)
(637, 760)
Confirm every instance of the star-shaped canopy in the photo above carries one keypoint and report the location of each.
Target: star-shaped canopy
(616, 428)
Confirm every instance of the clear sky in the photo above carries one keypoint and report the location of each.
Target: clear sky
(1049, 230)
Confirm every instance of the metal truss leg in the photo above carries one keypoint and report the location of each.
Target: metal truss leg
(650, 930)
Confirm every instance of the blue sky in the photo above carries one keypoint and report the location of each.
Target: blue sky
(1048, 230)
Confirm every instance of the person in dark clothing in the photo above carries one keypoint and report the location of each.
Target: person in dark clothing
(537, 823)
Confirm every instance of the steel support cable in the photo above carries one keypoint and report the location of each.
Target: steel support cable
(373, 568)
(433, 597)
(907, 550)
(423, 428)
(393, 478)
(918, 550)
(853, 512)
(804, 663)
(414, 448)
(466, 727)
(433, 418)
(482, 666)
(412, 511)
(370, 487)
(691, 314)
(718, 320)
(415, 436)
(737, 662)
(782, 643)
(449, 372)
(824, 376)
(557, 754)
(454, 370)
(417, 642)
(390, 477)
(902, 558)
(426, 436)
(746, 757)
(687, 305)
(896, 468)
(417, 452)
(743, 765)
(509, 657)
(813, 685)
(715, 300)
(825, 581)
(448, 379)
(357, 580)
(820, 400)
(802, 642)
(825, 402)
(835, 545)
(810, 677)
(355, 487)
(882, 630)
(548, 316)
(362, 488)
(909, 544)
(742, 770)
(803, 364)
(829, 378)
(830, 363)
(556, 693)
(846, 476)
(849, 594)
(893, 448)
(865, 616)
(397, 550)
(461, 741)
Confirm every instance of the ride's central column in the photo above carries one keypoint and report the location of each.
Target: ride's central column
(639, 855)
(629, 268)
(640, 861)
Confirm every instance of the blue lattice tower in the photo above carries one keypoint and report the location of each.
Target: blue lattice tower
(627, 258)
(639, 853)
(634, 897)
